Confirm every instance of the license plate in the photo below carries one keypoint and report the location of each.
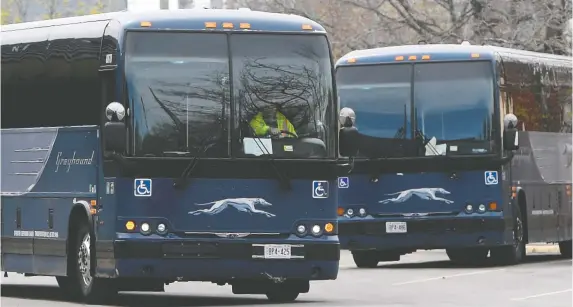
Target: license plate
(396, 227)
(277, 251)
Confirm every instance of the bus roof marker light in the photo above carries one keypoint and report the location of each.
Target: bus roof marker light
(306, 27)
(351, 60)
(145, 24)
(475, 55)
(412, 57)
(228, 25)
(399, 58)
(244, 25)
(425, 57)
(210, 24)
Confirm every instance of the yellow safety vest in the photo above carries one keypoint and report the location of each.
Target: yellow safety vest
(260, 127)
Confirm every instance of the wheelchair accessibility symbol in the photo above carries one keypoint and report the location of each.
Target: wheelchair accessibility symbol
(320, 189)
(142, 187)
(491, 178)
(343, 183)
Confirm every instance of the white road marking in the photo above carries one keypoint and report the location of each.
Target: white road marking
(541, 295)
(446, 277)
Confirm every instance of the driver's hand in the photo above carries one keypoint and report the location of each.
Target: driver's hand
(274, 131)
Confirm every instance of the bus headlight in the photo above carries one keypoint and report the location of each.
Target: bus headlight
(481, 208)
(316, 230)
(350, 212)
(145, 228)
(161, 229)
(469, 208)
(301, 230)
(362, 212)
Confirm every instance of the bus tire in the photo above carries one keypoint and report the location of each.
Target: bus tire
(365, 259)
(512, 254)
(278, 294)
(565, 249)
(468, 255)
(88, 289)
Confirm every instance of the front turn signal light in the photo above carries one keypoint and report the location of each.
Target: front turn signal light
(130, 225)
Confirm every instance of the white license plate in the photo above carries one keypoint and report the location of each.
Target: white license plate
(277, 251)
(396, 227)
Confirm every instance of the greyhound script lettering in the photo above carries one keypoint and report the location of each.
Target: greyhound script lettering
(68, 162)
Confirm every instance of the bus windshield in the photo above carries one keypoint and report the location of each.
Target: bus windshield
(180, 87)
(451, 104)
(278, 77)
(454, 107)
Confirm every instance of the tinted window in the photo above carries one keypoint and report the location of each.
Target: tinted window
(454, 104)
(41, 77)
(380, 97)
(291, 73)
(178, 85)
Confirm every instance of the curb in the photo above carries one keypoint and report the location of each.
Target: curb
(542, 249)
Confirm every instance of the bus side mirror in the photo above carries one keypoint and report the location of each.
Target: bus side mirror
(349, 139)
(510, 133)
(114, 129)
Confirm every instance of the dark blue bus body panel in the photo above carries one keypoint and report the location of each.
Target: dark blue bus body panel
(48, 171)
(201, 206)
(199, 217)
(45, 172)
(432, 222)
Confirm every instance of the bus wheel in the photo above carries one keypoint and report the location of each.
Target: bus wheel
(565, 249)
(468, 256)
(278, 294)
(91, 289)
(365, 259)
(512, 254)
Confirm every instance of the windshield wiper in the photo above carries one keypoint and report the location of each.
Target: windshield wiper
(283, 179)
(182, 180)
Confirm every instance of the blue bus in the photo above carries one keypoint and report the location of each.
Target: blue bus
(130, 158)
(463, 148)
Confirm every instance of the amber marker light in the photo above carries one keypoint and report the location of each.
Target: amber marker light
(130, 225)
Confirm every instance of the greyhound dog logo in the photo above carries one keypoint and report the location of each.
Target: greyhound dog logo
(240, 204)
(423, 193)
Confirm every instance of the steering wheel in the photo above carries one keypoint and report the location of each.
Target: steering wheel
(286, 132)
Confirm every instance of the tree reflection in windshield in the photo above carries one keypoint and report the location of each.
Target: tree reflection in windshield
(291, 73)
(178, 84)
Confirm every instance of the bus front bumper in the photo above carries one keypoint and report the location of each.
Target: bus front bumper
(190, 260)
(424, 233)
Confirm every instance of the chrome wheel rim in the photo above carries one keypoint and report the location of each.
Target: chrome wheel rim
(518, 233)
(84, 260)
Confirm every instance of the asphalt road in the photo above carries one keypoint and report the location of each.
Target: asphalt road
(420, 279)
